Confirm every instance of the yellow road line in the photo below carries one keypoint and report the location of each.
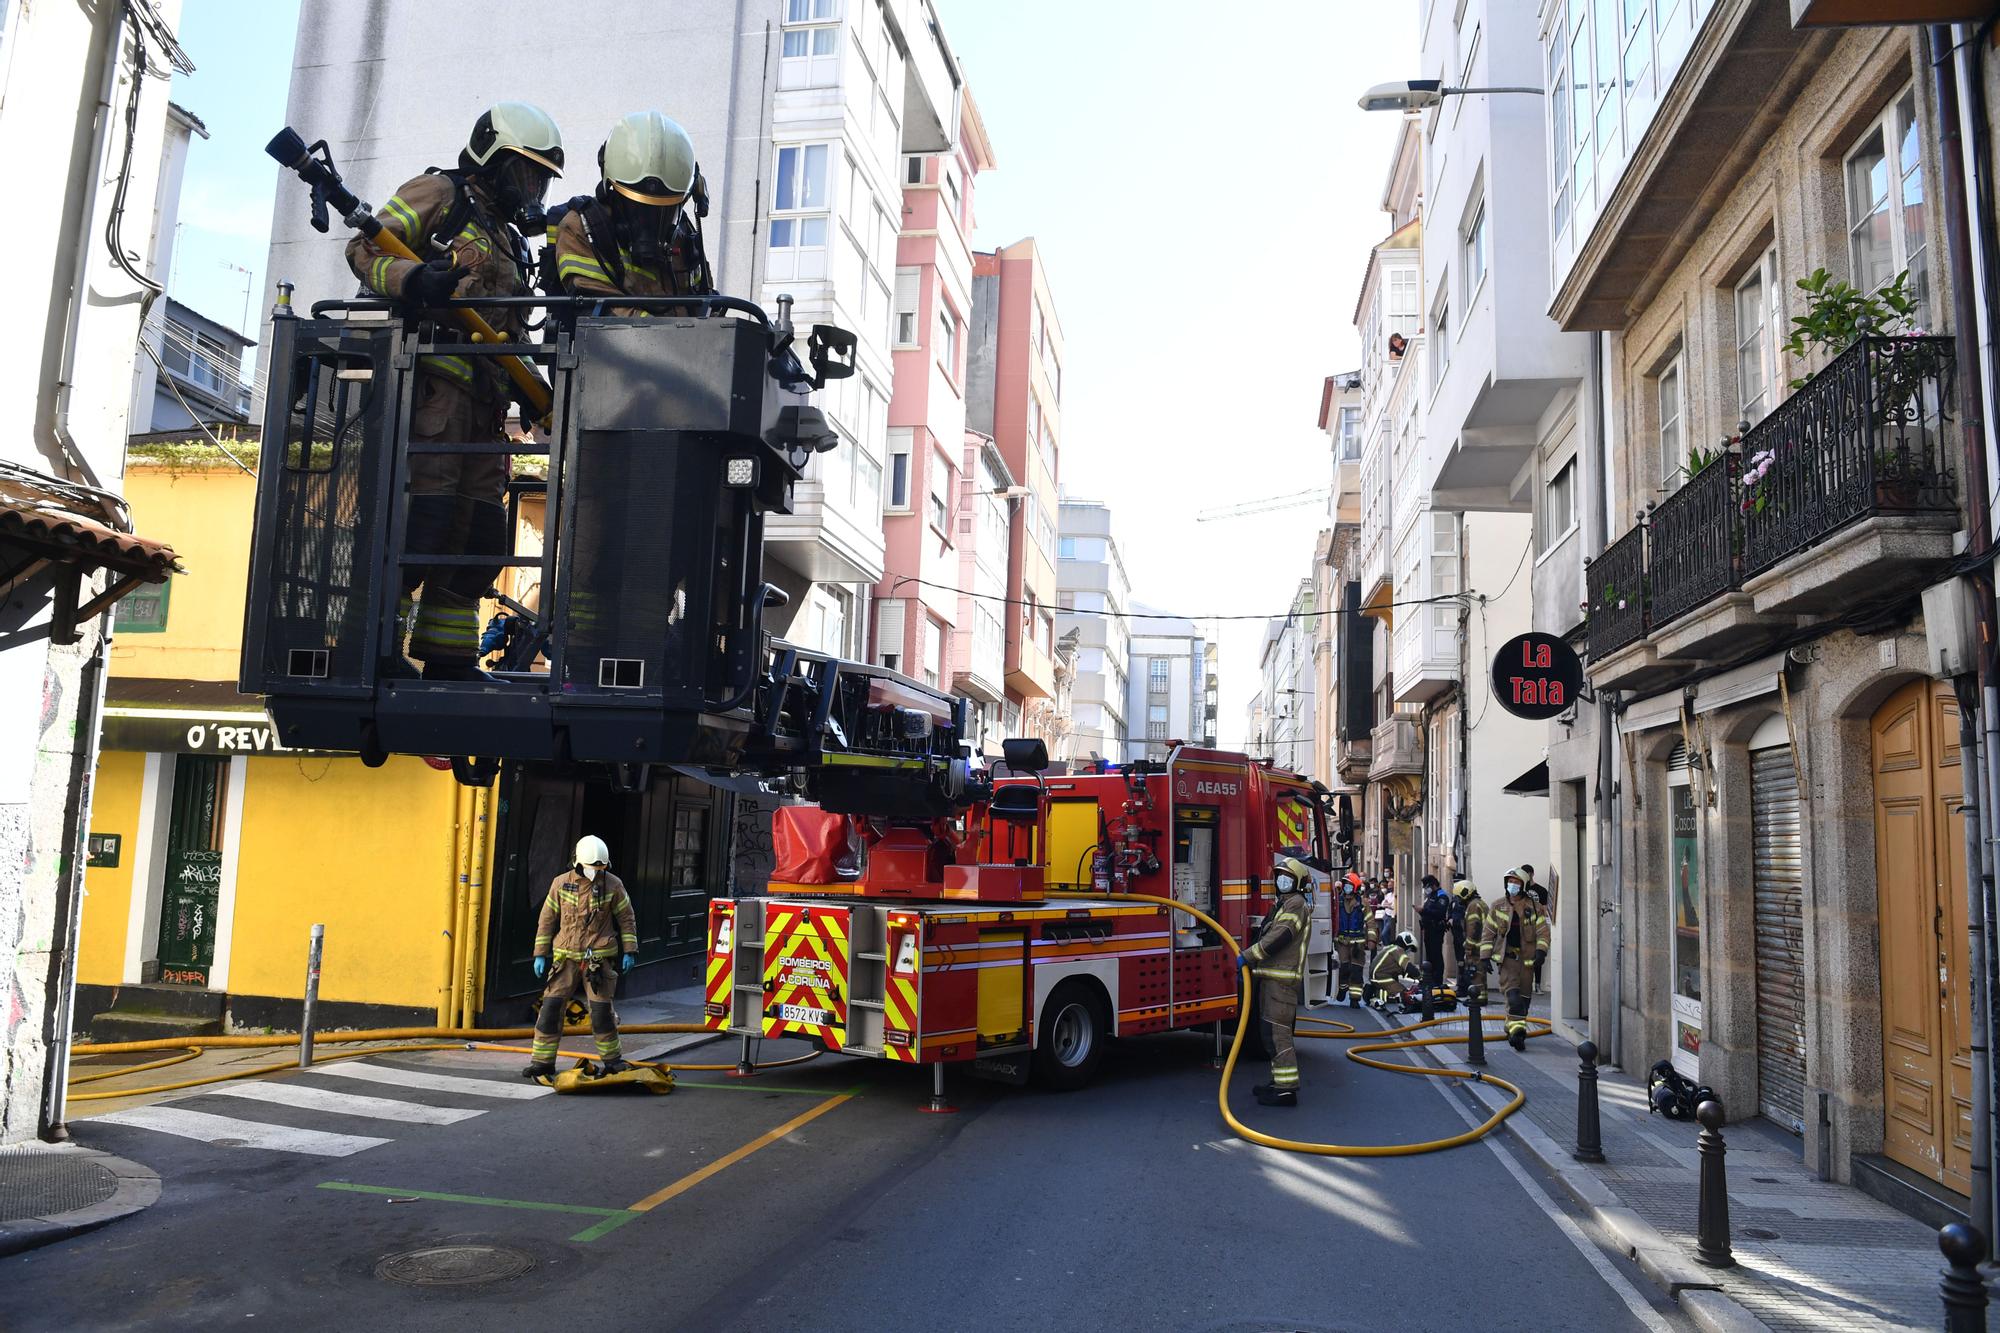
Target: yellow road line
(727, 1160)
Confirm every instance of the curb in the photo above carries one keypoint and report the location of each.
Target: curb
(1696, 1289)
(137, 1188)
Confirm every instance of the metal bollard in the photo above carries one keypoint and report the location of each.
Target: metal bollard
(313, 952)
(1964, 1289)
(1712, 1225)
(1475, 1027)
(1589, 1130)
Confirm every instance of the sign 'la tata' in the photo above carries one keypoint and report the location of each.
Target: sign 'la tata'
(1536, 676)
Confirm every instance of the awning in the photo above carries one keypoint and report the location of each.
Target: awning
(1534, 782)
(186, 717)
(46, 531)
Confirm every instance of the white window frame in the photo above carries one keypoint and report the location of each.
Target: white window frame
(1440, 338)
(938, 494)
(901, 443)
(1558, 506)
(1673, 451)
(795, 215)
(1758, 341)
(909, 299)
(1473, 244)
(913, 170)
(1403, 282)
(1886, 134)
(817, 27)
(948, 339)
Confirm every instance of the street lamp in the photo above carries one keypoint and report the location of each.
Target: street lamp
(1417, 94)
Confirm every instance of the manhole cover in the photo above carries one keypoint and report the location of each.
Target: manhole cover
(453, 1265)
(1760, 1233)
(42, 1184)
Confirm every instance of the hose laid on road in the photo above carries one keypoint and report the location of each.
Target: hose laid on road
(361, 1034)
(1538, 1027)
(243, 1073)
(651, 1064)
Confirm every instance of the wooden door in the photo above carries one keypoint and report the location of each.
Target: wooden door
(1920, 878)
(194, 869)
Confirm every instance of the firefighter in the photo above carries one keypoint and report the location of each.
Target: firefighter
(1277, 961)
(464, 220)
(628, 238)
(1469, 941)
(1517, 937)
(586, 923)
(1353, 936)
(1396, 963)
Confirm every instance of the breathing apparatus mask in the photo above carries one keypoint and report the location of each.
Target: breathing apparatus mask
(518, 186)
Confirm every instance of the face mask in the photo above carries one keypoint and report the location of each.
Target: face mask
(590, 872)
(1513, 890)
(1286, 884)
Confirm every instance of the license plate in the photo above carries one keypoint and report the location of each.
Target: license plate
(798, 1013)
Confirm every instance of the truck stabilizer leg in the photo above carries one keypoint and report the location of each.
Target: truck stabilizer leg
(938, 1105)
(744, 1069)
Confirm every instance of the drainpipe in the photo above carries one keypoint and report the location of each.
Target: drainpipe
(1610, 856)
(1960, 226)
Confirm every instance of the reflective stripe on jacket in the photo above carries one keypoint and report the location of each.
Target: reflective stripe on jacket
(1393, 964)
(586, 919)
(1353, 920)
(1534, 926)
(1280, 950)
(581, 270)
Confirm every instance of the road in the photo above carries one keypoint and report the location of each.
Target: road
(1122, 1206)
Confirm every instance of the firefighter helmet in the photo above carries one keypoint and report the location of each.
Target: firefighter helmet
(514, 127)
(649, 159)
(1292, 875)
(1406, 939)
(591, 851)
(1463, 890)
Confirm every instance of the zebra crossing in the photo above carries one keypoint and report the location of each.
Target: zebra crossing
(322, 1111)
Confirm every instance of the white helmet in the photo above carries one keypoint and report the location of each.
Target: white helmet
(649, 159)
(591, 851)
(517, 127)
(1407, 940)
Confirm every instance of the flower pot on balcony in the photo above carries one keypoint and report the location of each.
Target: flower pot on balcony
(1896, 493)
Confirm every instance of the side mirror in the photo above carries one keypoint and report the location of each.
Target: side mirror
(1346, 821)
(831, 351)
(1024, 754)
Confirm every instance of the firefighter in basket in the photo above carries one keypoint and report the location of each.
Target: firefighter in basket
(1353, 936)
(463, 222)
(1395, 964)
(635, 236)
(588, 929)
(1277, 961)
(1517, 936)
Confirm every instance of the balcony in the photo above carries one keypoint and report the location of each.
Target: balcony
(1396, 749)
(1845, 490)
(1352, 759)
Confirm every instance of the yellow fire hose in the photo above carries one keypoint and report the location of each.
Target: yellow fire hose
(649, 1064)
(1538, 1028)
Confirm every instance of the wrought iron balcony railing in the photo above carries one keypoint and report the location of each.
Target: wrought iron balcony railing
(1615, 583)
(1696, 538)
(1864, 436)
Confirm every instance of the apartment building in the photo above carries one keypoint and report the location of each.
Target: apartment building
(1014, 396)
(1340, 419)
(1789, 914)
(1288, 685)
(1173, 686)
(985, 554)
(804, 114)
(917, 603)
(1093, 594)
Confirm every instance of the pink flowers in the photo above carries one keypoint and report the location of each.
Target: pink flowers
(1754, 471)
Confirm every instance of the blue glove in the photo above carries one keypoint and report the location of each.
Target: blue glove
(495, 637)
(1243, 961)
(625, 963)
(541, 967)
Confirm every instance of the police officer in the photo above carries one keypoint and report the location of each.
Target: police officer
(1517, 937)
(1469, 941)
(463, 221)
(586, 923)
(1353, 936)
(628, 238)
(1434, 920)
(1396, 963)
(1277, 961)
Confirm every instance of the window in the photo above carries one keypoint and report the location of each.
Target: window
(1558, 514)
(1157, 669)
(1045, 442)
(953, 203)
(1156, 731)
(906, 307)
(1157, 713)
(1673, 455)
(1885, 204)
(1757, 326)
(1403, 301)
(1472, 250)
(1066, 548)
(933, 652)
(688, 867)
(940, 493)
(913, 171)
(810, 54)
(799, 214)
(1350, 434)
(1440, 340)
(1034, 417)
(947, 348)
(897, 499)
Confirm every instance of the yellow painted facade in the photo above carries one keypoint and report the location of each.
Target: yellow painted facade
(376, 855)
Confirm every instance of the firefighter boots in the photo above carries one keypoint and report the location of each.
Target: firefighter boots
(539, 1069)
(1267, 1095)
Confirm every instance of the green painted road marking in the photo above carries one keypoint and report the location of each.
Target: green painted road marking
(613, 1218)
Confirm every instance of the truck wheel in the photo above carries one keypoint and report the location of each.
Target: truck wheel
(1070, 1041)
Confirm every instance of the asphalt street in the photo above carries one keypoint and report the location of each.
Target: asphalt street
(821, 1196)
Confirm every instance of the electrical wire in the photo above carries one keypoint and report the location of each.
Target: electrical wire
(902, 579)
(213, 438)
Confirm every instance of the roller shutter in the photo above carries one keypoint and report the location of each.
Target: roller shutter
(1778, 882)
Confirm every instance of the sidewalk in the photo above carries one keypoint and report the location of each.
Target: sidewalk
(1810, 1254)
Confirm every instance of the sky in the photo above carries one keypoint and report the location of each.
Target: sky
(1204, 192)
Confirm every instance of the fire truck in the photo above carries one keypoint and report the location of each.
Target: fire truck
(977, 939)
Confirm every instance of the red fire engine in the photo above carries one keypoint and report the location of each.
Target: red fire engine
(974, 938)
